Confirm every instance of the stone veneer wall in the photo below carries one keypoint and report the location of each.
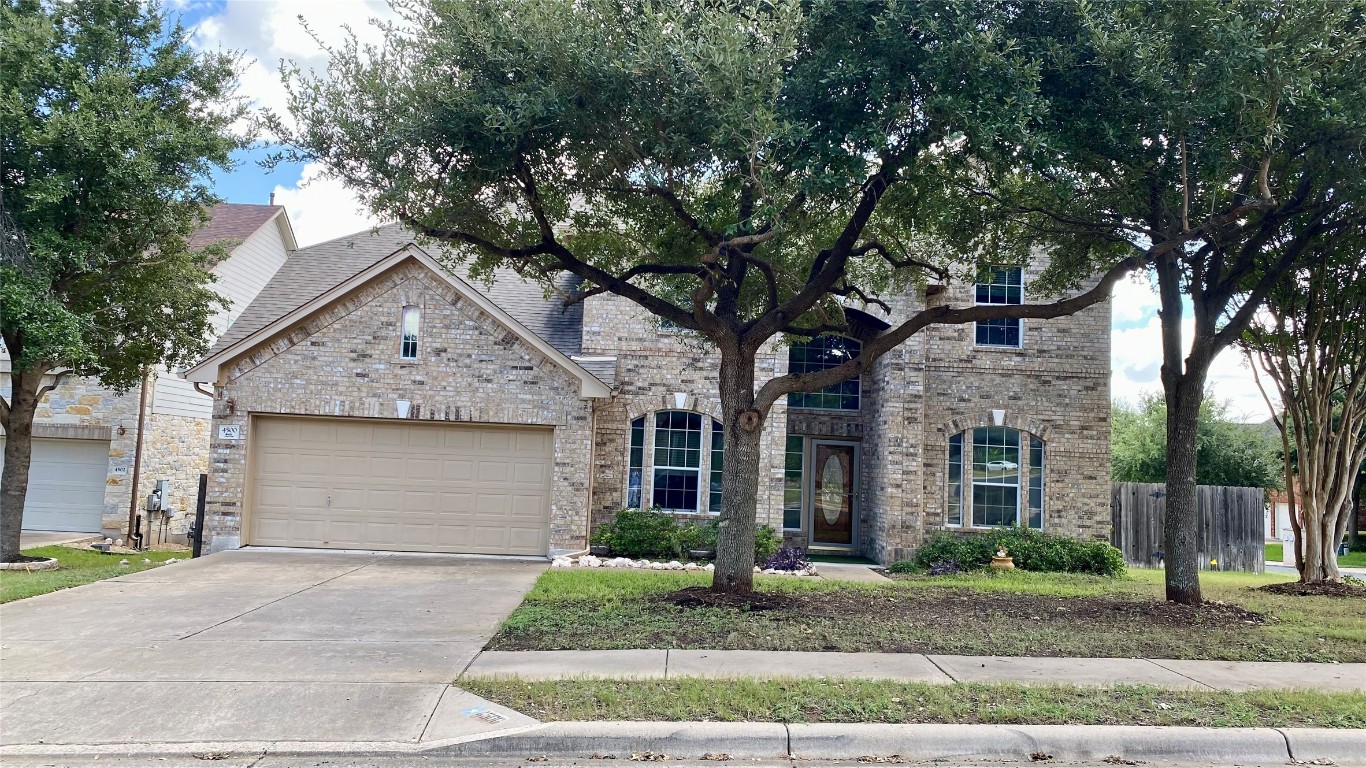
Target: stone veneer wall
(177, 450)
(652, 365)
(343, 361)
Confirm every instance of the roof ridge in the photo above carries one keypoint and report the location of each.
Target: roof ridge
(369, 231)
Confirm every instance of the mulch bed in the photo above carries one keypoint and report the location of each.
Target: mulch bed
(949, 607)
(27, 559)
(704, 597)
(1324, 589)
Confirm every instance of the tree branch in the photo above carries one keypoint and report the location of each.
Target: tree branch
(941, 315)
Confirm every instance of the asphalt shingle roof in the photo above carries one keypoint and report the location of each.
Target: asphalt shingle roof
(312, 271)
(233, 222)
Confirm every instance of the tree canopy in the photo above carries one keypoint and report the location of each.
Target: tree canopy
(1230, 453)
(742, 170)
(109, 127)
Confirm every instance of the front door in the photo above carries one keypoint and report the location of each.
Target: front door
(834, 494)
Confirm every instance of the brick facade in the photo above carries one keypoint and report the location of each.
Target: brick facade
(343, 361)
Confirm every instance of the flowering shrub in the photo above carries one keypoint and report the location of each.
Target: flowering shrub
(787, 559)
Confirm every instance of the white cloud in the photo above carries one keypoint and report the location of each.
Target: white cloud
(321, 208)
(1133, 300)
(1136, 362)
(266, 32)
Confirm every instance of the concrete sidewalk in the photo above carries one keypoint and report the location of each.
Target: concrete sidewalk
(914, 667)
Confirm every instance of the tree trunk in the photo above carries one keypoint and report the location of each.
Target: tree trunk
(1182, 524)
(739, 475)
(18, 455)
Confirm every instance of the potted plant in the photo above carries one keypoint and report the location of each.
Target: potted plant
(1002, 560)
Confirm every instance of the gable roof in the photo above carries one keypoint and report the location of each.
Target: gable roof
(310, 272)
(293, 294)
(235, 222)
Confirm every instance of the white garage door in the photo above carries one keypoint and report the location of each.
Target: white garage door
(65, 484)
(360, 484)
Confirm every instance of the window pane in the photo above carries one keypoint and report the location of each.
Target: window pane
(819, 354)
(634, 475)
(792, 482)
(955, 502)
(678, 439)
(675, 489)
(1036, 467)
(1001, 286)
(995, 476)
(717, 462)
(411, 318)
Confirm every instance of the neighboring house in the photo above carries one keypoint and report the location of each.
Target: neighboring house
(371, 398)
(86, 436)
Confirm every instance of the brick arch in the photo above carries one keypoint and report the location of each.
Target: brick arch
(1020, 421)
(644, 406)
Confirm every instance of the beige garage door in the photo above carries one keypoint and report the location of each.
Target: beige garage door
(65, 484)
(360, 484)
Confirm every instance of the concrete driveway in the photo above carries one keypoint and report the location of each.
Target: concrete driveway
(256, 646)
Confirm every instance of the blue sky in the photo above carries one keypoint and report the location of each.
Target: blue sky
(320, 209)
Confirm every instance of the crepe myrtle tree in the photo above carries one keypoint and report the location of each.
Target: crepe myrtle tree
(1310, 340)
(744, 171)
(109, 125)
(1215, 141)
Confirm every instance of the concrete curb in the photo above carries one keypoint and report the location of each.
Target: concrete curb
(677, 740)
(816, 741)
(1343, 747)
(1022, 742)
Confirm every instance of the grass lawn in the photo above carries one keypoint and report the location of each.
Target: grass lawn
(992, 613)
(76, 567)
(865, 701)
(1274, 553)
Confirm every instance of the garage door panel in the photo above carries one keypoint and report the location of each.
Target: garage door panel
(66, 484)
(405, 487)
(457, 470)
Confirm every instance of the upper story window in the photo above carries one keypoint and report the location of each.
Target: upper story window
(1003, 285)
(412, 319)
(818, 354)
(677, 446)
(991, 462)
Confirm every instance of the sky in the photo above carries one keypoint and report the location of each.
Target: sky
(266, 31)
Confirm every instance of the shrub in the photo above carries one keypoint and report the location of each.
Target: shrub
(1031, 550)
(787, 559)
(639, 533)
(903, 566)
(694, 535)
(767, 542)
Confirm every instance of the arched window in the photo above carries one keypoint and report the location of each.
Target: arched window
(995, 478)
(819, 354)
(675, 473)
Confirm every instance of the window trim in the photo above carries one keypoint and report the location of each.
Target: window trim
(415, 312)
(1021, 333)
(706, 455)
(1024, 473)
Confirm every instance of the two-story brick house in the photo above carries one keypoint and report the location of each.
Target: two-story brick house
(372, 398)
(87, 468)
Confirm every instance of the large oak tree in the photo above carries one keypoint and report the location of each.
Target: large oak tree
(1213, 139)
(742, 170)
(109, 127)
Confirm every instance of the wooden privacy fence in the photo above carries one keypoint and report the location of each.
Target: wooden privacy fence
(1231, 536)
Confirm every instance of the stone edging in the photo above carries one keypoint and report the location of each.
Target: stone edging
(592, 561)
(49, 564)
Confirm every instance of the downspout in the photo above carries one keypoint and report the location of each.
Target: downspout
(147, 383)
